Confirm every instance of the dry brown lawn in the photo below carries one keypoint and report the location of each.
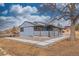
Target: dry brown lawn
(64, 47)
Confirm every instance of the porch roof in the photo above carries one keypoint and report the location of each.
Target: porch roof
(40, 24)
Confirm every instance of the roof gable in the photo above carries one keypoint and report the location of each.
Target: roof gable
(26, 24)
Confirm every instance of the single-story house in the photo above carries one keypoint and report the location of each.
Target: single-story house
(39, 29)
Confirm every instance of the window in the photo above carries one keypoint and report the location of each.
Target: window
(38, 28)
(21, 29)
(49, 28)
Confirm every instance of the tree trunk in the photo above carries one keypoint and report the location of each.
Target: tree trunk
(58, 32)
(54, 32)
(73, 19)
(72, 29)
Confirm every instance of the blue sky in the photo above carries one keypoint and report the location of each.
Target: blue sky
(8, 6)
(14, 14)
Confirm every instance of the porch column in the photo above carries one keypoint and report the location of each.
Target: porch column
(54, 32)
(40, 33)
(58, 32)
(48, 33)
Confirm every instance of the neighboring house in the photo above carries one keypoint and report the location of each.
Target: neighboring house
(39, 29)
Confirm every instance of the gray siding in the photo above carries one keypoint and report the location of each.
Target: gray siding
(27, 32)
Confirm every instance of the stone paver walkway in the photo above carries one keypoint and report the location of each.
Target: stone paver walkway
(44, 43)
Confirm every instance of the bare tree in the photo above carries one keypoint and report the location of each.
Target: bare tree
(73, 18)
(70, 12)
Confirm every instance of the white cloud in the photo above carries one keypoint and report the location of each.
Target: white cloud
(25, 14)
(63, 22)
(18, 20)
(7, 22)
(5, 12)
(19, 10)
(29, 9)
(77, 7)
(61, 5)
(16, 9)
(8, 18)
(32, 18)
(2, 4)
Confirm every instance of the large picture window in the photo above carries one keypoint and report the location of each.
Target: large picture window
(38, 28)
(43, 28)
